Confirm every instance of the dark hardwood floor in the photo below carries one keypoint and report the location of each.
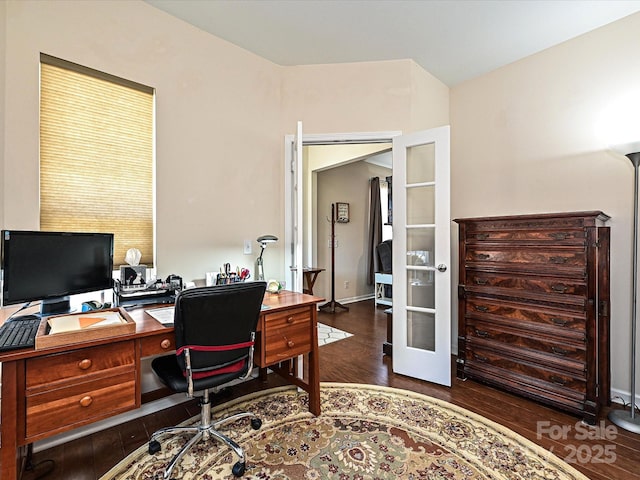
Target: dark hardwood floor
(602, 453)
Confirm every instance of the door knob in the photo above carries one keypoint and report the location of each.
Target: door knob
(442, 267)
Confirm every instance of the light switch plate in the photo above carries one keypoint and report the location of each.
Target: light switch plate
(247, 247)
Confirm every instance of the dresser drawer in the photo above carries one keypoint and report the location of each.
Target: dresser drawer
(562, 324)
(568, 261)
(287, 335)
(529, 387)
(528, 236)
(480, 280)
(527, 372)
(76, 404)
(563, 293)
(78, 365)
(546, 350)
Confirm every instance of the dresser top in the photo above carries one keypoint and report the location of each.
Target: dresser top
(591, 217)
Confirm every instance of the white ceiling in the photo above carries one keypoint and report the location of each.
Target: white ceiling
(455, 40)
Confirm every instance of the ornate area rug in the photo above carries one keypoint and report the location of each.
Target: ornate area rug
(365, 432)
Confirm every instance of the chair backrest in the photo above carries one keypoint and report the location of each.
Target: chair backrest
(384, 252)
(215, 322)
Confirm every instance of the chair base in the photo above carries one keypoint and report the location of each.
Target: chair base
(203, 431)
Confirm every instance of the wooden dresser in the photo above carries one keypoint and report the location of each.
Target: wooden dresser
(533, 307)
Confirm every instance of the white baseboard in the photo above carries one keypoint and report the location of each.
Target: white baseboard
(623, 397)
(359, 298)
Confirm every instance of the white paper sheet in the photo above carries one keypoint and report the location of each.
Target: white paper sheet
(164, 315)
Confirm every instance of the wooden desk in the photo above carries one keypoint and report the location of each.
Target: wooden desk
(52, 390)
(310, 276)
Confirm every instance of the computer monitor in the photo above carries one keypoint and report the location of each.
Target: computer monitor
(51, 266)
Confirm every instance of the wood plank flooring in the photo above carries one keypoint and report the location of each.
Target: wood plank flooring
(609, 454)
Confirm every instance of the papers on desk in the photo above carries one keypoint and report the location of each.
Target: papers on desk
(69, 323)
(164, 315)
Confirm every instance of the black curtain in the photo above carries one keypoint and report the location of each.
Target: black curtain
(375, 228)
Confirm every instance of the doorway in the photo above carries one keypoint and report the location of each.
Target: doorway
(307, 244)
(343, 178)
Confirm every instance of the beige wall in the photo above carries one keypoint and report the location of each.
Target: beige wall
(218, 155)
(523, 141)
(222, 114)
(363, 97)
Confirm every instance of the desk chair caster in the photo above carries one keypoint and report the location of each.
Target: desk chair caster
(238, 468)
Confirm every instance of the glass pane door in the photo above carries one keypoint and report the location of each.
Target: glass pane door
(421, 278)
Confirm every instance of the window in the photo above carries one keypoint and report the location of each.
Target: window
(96, 156)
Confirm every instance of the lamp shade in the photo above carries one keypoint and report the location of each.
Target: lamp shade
(627, 148)
(264, 239)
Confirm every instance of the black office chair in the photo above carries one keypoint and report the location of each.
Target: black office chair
(215, 331)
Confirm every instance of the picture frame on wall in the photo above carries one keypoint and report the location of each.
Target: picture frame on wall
(342, 212)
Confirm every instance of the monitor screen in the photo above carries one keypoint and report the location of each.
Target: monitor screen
(50, 266)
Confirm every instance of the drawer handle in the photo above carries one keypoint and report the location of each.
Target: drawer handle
(165, 344)
(559, 235)
(559, 288)
(482, 333)
(289, 319)
(482, 236)
(561, 322)
(85, 364)
(290, 343)
(559, 351)
(481, 308)
(481, 281)
(558, 260)
(86, 401)
(480, 358)
(557, 380)
(482, 256)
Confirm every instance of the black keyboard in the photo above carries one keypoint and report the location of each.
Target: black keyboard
(19, 332)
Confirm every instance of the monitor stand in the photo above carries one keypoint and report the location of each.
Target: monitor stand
(55, 306)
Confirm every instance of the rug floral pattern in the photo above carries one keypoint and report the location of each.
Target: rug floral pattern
(365, 432)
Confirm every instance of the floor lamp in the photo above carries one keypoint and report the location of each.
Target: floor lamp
(628, 420)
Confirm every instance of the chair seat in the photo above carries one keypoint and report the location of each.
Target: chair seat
(170, 373)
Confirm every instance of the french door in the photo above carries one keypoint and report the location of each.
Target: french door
(421, 256)
(293, 204)
(421, 242)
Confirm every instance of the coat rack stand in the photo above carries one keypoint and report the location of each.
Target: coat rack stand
(332, 305)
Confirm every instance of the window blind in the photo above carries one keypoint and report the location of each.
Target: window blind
(96, 156)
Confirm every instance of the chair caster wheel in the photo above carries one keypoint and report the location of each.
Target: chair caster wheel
(256, 423)
(238, 469)
(154, 447)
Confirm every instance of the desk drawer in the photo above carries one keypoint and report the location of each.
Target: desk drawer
(78, 365)
(287, 335)
(158, 344)
(77, 404)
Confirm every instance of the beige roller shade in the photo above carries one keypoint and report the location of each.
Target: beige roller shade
(96, 156)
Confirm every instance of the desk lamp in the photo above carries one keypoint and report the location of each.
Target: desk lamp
(263, 240)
